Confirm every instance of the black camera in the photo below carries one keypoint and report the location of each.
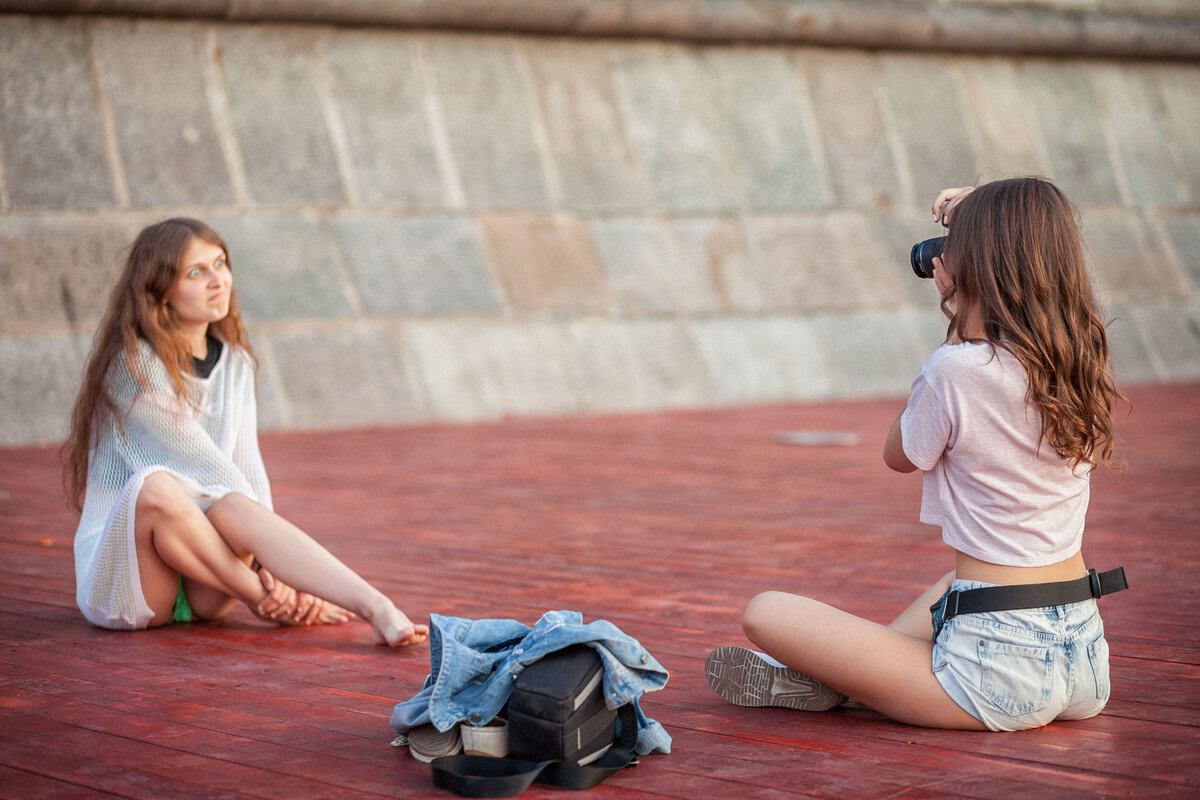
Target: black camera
(922, 255)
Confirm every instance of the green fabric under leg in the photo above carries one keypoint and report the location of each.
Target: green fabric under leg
(183, 610)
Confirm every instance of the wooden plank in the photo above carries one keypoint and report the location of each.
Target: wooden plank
(664, 524)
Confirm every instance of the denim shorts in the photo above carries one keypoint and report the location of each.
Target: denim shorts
(1014, 670)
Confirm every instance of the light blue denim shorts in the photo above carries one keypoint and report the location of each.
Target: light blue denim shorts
(1014, 670)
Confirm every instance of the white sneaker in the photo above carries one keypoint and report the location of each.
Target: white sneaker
(748, 678)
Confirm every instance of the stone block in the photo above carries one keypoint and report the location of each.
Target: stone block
(1132, 358)
(153, 78)
(267, 385)
(931, 327)
(1001, 114)
(1183, 233)
(1076, 146)
(51, 136)
(39, 379)
(845, 87)
(1130, 261)
(347, 375)
(1171, 330)
(874, 353)
(485, 104)
(1134, 121)
(58, 272)
(545, 263)
(718, 244)
(283, 268)
(820, 262)
(652, 269)
(477, 369)
(377, 89)
(772, 132)
(755, 360)
(897, 235)
(1178, 112)
(924, 99)
(276, 110)
(637, 365)
(417, 266)
(675, 120)
(597, 166)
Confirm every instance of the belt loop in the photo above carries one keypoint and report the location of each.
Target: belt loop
(1094, 580)
(951, 606)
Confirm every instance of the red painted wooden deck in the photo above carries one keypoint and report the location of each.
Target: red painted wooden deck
(666, 525)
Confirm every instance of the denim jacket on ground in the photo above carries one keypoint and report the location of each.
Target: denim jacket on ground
(473, 664)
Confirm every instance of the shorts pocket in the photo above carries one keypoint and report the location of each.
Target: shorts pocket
(1016, 678)
(1097, 653)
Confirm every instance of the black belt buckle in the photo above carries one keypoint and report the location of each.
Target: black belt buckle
(944, 610)
(1094, 581)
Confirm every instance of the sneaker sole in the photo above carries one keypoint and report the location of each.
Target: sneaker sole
(425, 743)
(744, 679)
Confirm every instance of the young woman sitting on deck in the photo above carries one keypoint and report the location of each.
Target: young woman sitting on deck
(163, 462)
(1007, 419)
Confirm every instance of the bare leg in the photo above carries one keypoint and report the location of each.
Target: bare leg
(915, 620)
(174, 537)
(299, 560)
(880, 667)
(213, 552)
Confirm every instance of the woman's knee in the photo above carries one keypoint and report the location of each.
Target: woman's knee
(763, 613)
(162, 495)
(232, 505)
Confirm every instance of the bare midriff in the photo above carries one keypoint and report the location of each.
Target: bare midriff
(972, 569)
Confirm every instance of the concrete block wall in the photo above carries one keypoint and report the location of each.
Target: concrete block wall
(433, 225)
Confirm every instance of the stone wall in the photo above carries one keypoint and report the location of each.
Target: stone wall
(441, 225)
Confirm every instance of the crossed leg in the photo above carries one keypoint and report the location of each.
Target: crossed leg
(884, 667)
(213, 552)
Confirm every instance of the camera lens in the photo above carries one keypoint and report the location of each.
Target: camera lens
(922, 255)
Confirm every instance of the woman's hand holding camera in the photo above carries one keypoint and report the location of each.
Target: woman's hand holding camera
(943, 210)
(946, 201)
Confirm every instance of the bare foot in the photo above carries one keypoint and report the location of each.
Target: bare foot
(394, 629)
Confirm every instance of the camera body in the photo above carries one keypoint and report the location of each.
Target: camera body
(923, 253)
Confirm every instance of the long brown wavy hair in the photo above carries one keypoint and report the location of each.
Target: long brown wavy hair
(137, 310)
(1015, 251)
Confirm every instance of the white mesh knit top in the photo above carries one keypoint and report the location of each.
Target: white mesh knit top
(212, 449)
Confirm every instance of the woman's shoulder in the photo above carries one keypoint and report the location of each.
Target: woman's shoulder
(974, 359)
(142, 358)
(951, 357)
(236, 356)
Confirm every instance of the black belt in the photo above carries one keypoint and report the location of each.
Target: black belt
(1033, 595)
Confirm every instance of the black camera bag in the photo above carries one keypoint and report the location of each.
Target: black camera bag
(557, 712)
(560, 732)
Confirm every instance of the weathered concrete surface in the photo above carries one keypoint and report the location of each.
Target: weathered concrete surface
(1102, 28)
(433, 225)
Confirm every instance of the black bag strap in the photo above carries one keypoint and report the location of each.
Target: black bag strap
(483, 776)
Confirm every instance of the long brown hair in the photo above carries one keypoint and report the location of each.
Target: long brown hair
(137, 310)
(1016, 253)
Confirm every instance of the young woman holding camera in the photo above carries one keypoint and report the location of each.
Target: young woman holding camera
(1006, 419)
(163, 462)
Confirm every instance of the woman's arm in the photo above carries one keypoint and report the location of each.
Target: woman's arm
(893, 448)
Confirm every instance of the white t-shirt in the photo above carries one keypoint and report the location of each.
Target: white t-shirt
(996, 494)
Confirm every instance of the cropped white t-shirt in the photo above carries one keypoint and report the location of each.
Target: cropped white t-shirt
(995, 493)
